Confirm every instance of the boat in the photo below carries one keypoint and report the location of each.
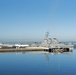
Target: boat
(55, 45)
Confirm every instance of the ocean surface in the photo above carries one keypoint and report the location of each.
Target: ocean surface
(33, 63)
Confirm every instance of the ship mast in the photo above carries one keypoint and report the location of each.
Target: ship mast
(47, 34)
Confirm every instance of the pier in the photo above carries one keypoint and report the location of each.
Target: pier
(50, 50)
(22, 49)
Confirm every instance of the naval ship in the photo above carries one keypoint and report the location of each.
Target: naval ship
(54, 44)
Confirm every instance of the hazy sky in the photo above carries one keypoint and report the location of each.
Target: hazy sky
(28, 20)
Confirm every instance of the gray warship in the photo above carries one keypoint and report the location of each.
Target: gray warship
(54, 44)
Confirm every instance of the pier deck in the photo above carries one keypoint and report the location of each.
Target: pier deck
(22, 49)
(35, 49)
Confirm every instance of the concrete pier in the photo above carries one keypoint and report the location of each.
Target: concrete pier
(22, 49)
(55, 50)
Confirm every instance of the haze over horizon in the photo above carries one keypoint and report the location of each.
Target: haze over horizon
(29, 20)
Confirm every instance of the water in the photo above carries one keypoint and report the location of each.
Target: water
(38, 64)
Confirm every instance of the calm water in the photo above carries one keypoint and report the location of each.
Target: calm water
(38, 64)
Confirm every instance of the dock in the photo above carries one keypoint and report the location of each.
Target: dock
(22, 49)
(45, 49)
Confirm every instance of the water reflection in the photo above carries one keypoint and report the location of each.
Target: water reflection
(38, 63)
(46, 54)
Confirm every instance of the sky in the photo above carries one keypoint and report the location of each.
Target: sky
(29, 20)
